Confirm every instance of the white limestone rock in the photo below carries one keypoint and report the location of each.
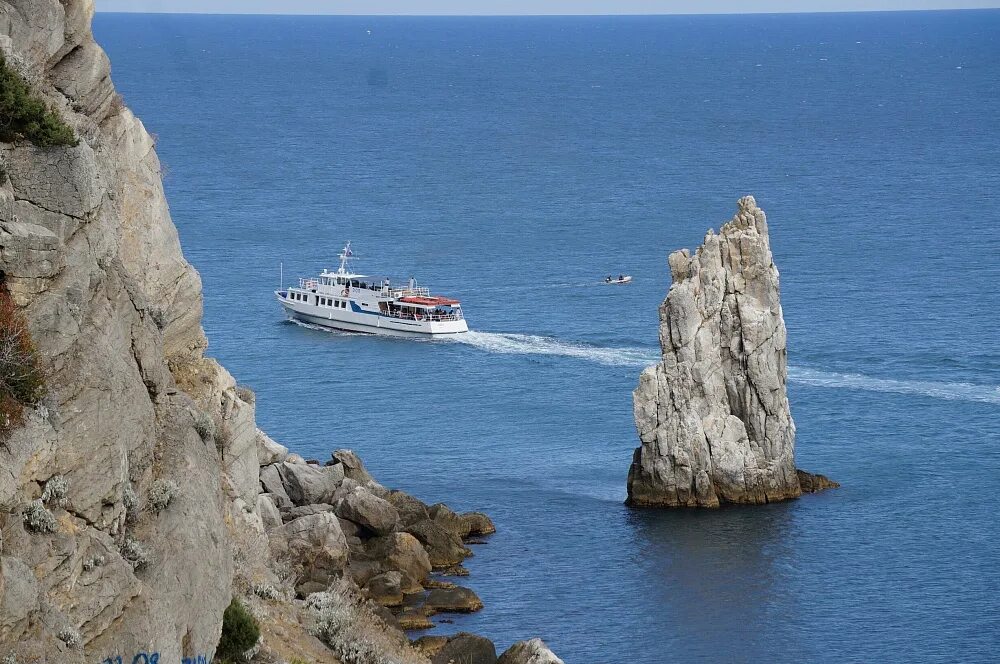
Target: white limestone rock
(713, 415)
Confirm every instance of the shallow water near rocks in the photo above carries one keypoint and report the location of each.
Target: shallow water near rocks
(514, 163)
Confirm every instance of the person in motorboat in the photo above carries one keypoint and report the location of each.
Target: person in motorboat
(608, 280)
(621, 277)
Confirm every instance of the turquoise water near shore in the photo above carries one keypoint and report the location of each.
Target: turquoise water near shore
(515, 162)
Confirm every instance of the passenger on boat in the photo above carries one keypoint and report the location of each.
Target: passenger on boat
(608, 280)
(621, 277)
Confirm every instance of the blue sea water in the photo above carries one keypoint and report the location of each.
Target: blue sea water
(514, 162)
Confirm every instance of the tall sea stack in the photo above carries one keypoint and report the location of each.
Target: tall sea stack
(713, 415)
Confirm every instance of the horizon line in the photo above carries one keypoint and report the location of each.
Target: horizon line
(554, 14)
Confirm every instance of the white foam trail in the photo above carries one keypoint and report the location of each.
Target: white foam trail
(531, 344)
(938, 390)
(528, 344)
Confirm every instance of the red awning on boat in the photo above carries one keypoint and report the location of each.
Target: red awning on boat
(429, 301)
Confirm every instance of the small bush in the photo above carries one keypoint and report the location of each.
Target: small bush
(161, 493)
(70, 637)
(134, 553)
(352, 630)
(21, 381)
(26, 115)
(246, 394)
(37, 519)
(55, 491)
(240, 633)
(266, 591)
(205, 427)
(130, 502)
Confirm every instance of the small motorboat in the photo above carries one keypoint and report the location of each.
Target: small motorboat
(622, 279)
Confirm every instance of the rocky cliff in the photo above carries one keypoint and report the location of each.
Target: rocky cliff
(139, 497)
(713, 415)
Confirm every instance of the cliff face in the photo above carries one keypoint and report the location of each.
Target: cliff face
(713, 415)
(139, 497)
(89, 253)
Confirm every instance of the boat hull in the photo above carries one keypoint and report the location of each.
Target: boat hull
(369, 323)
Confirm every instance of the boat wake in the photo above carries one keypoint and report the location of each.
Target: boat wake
(529, 344)
(928, 388)
(638, 357)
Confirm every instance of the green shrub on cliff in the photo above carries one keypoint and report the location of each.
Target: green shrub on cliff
(21, 380)
(24, 115)
(240, 632)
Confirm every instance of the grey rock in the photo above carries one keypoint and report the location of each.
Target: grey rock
(270, 481)
(533, 651)
(353, 467)
(306, 484)
(444, 548)
(293, 513)
(268, 451)
(443, 515)
(477, 523)
(410, 509)
(386, 588)
(369, 511)
(453, 600)
(467, 649)
(315, 549)
(400, 552)
(268, 510)
(713, 415)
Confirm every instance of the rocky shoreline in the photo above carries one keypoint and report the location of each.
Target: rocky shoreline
(332, 524)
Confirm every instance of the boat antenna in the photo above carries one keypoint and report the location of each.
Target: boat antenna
(281, 275)
(345, 255)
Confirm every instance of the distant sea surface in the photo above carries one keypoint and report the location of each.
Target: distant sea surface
(514, 163)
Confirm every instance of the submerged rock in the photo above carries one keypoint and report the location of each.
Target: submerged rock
(713, 415)
(811, 483)
(453, 600)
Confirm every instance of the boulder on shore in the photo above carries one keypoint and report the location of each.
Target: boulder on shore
(369, 511)
(533, 651)
(444, 547)
(315, 549)
(467, 649)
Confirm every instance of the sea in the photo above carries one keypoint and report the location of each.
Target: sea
(514, 163)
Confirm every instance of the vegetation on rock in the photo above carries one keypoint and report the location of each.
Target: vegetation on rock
(134, 553)
(24, 115)
(55, 491)
(38, 519)
(240, 633)
(21, 380)
(161, 493)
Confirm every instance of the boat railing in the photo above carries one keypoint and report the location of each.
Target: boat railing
(308, 284)
(437, 318)
(416, 291)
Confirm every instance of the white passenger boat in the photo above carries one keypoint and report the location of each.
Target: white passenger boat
(344, 300)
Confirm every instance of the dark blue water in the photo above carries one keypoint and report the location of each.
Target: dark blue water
(515, 162)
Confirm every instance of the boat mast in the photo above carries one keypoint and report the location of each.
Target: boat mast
(345, 255)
